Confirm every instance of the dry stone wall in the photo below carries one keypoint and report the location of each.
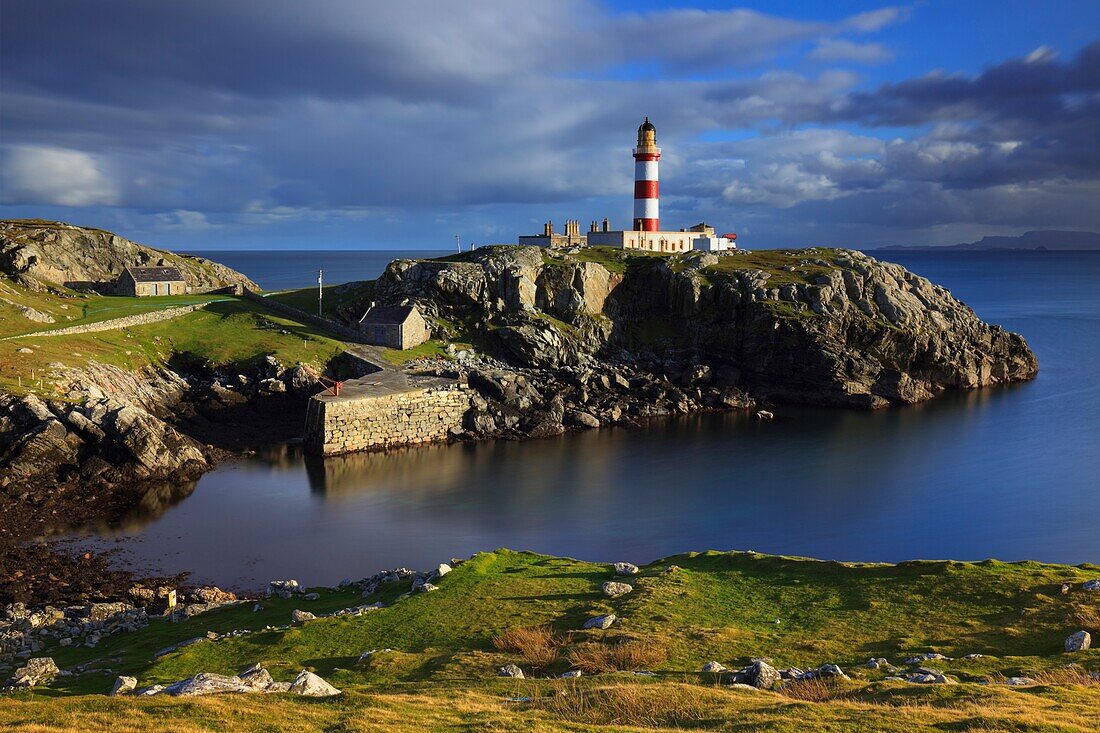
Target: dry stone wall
(336, 425)
(116, 323)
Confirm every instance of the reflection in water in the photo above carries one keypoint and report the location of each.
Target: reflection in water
(155, 501)
(1005, 472)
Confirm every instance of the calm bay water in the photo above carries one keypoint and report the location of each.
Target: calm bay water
(1011, 473)
(298, 269)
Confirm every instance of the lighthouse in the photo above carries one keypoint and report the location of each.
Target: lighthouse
(645, 234)
(646, 155)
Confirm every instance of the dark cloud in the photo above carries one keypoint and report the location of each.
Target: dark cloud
(204, 114)
(1034, 89)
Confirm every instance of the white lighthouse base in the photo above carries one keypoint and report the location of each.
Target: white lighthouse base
(670, 242)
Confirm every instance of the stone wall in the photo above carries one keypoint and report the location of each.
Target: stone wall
(336, 425)
(125, 322)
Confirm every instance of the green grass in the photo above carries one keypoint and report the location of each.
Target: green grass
(229, 333)
(334, 297)
(773, 261)
(432, 348)
(719, 606)
(69, 308)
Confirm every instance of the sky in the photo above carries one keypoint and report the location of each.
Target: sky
(344, 124)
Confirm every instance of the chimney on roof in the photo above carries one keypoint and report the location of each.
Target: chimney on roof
(606, 224)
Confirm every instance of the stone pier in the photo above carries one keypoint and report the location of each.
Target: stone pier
(384, 410)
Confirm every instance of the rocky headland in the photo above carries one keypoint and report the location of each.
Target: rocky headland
(41, 254)
(591, 337)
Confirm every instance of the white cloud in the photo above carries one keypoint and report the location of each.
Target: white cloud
(1040, 55)
(840, 49)
(37, 174)
(874, 20)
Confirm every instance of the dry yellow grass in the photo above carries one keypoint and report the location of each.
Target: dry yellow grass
(538, 645)
(595, 658)
(815, 690)
(641, 705)
(561, 705)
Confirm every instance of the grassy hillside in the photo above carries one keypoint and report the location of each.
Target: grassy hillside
(228, 332)
(446, 646)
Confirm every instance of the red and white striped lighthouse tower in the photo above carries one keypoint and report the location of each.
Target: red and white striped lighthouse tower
(646, 213)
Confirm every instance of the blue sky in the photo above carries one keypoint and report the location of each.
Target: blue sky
(336, 124)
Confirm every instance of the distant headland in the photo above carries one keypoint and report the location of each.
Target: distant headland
(1044, 239)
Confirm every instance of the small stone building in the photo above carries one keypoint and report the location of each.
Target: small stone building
(394, 326)
(142, 281)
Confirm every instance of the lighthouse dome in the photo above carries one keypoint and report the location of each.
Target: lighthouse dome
(646, 126)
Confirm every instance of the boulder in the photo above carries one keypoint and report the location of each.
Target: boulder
(1020, 681)
(123, 686)
(511, 670)
(600, 622)
(301, 379)
(34, 672)
(308, 684)
(283, 588)
(713, 668)
(212, 594)
(614, 589)
(829, 671)
(1091, 584)
(298, 617)
(625, 568)
(924, 676)
(272, 385)
(206, 683)
(761, 675)
(1078, 641)
(256, 677)
(571, 674)
(580, 419)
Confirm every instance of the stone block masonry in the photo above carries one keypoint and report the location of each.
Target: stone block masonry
(374, 420)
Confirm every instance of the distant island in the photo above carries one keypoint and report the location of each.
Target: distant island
(1043, 239)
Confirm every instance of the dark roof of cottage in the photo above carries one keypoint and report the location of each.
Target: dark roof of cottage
(154, 274)
(387, 314)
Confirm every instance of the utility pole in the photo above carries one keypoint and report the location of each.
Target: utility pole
(320, 291)
(458, 243)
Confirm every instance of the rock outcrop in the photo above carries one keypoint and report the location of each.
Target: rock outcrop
(147, 432)
(38, 252)
(822, 326)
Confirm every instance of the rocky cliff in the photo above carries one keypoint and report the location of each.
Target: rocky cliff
(35, 252)
(823, 326)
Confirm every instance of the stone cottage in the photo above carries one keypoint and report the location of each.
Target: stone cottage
(394, 326)
(142, 281)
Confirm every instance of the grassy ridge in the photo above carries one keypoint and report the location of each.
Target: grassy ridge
(229, 332)
(716, 606)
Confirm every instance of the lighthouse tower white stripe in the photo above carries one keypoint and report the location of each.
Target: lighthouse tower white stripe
(646, 209)
(645, 170)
